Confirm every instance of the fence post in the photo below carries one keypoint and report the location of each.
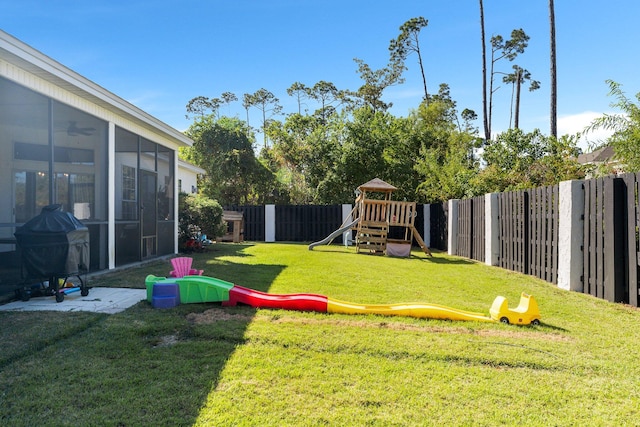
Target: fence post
(453, 227)
(491, 229)
(269, 223)
(347, 236)
(426, 238)
(570, 235)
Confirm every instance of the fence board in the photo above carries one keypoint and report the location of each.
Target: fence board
(586, 232)
(478, 229)
(464, 228)
(514, 231)
(543, 232)
(631, 236)
(600, 206)
(594, 237)
(614, 227)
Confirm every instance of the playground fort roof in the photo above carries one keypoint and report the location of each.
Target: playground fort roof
(377, 184)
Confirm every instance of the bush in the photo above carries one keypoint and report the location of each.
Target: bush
(198, 216)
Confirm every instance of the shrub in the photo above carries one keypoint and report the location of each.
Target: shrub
(198, 215)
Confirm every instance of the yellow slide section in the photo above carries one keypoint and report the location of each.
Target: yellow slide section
(420, 310)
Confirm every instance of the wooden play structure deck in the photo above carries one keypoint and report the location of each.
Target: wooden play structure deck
(374, 219)
(377, 216)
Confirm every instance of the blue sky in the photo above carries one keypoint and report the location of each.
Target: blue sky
(159, 54)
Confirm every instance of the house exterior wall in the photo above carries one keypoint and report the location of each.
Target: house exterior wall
(188, 178)
(22, 66)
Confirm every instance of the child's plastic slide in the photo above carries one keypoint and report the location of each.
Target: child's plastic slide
(333, 235)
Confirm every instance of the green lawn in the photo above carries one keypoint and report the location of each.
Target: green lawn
(202, 364)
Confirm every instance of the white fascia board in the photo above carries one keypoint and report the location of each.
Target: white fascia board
(190, 167)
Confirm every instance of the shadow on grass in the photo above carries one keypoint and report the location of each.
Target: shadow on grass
(451, 261)
(553, 327)
(210, 343)
(167, 362)
(217, 262)
(415, 255)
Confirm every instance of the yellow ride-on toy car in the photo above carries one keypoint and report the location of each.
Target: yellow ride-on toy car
(526, 313)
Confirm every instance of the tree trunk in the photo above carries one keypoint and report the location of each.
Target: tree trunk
(424, 79)
(487, 127)
(516, 115)
(554, 93)
(264, 125)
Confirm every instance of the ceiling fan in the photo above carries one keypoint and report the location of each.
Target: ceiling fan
(74, 130)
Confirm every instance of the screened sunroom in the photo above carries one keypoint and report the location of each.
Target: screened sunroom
(65, 140)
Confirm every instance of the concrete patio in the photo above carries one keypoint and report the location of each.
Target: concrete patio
(99, 300)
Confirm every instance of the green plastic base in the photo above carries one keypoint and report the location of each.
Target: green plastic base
(194, 289)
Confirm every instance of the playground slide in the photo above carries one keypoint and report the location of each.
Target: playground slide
(420, 310)
(198, 289)
(257, 299)
(333, 235)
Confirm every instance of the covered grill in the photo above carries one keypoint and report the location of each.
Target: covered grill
(53, 245)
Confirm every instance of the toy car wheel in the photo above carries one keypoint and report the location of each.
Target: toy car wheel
(535, 322)
(84, 292)
(504, 320)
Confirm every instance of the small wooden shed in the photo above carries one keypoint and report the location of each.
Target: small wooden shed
(235, 226)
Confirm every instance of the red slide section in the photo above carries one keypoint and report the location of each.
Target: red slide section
(257, 299)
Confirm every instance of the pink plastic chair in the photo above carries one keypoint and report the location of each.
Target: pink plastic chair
(182, 267)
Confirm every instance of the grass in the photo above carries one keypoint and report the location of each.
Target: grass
(202, 364)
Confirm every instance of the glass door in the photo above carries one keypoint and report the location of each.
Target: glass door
(148, 213)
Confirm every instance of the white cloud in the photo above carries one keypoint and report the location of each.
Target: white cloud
(574, 123)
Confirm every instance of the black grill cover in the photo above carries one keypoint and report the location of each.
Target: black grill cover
(54, 243)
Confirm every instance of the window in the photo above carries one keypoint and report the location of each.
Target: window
(76, 193)
(31, 190)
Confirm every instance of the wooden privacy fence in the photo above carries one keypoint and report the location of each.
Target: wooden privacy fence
(293, 223)
(305, 223)
(308, 223)
(439, 229)
(600, 229)
(543, 233)
(611, 256)
(253, 221)
(471, 228)
(528, 232)
(514, 233)
(631, 240)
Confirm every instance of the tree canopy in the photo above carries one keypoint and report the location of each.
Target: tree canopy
(234, 174)
(336, 139)
(625, 126)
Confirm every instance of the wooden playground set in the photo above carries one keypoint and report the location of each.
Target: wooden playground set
(373, 219)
